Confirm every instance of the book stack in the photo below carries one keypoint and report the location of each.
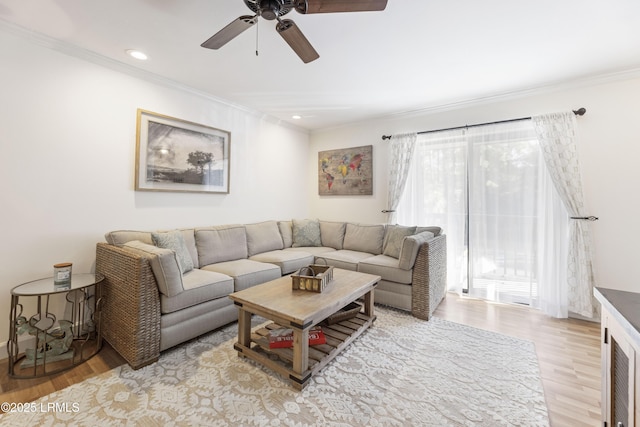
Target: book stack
(283, 337)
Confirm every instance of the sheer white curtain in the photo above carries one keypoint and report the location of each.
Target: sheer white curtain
(553, 249)
(401, 148)
(557, 136)
(436, 194)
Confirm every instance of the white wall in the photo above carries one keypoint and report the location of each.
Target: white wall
(67, 144)
(609, 149)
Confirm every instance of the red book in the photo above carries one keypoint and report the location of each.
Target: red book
(283, 337)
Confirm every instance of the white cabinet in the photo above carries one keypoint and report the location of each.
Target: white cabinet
(620, 357)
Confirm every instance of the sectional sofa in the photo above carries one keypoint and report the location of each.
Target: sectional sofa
(162, 288)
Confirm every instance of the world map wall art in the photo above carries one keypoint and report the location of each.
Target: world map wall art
(346, 172)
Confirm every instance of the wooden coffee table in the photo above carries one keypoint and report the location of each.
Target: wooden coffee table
(300, 310)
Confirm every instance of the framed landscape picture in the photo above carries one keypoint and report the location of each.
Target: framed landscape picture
(177, 155)
(346, 172)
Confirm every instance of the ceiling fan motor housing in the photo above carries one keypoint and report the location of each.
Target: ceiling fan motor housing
(268, 9)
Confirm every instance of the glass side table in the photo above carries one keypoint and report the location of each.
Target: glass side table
(56, 343)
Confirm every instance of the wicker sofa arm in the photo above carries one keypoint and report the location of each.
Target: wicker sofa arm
(131, 306)
(429, 285)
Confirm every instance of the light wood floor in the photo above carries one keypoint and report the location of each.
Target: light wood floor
(568, 353)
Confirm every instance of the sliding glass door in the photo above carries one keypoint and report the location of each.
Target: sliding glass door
(481, 185)
(504, 162)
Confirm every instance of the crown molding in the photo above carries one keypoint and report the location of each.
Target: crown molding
(558, 86)
(592, 80)
(103, 61)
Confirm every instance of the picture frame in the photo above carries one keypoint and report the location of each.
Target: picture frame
(346, 171)
(180, 156)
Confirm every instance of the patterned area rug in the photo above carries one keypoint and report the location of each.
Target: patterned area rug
(401, 372)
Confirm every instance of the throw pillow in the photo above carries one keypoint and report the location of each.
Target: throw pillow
(306, 232)
(174, 240)
(393, 239)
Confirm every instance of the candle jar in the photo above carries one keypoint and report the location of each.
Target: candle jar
(62, 273)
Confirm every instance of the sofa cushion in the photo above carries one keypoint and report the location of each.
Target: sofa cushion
(120, 237)
(199, 286)
(245, 272)
(343, 259)
(164, 264)
(364, 238)
(306, 232)
(220, 244)
(332, 233)
(386, 267)
(313, 250)
(393, 237)
(410, 247)
(288, 261)
(263, 237)
(191, 322)
(286, 231)
(174, 240)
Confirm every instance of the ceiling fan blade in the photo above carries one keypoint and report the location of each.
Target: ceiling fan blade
(298, 42)
(330, 6)
(229, 32)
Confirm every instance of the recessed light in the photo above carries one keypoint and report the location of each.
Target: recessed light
(296, 117)
(137, 54)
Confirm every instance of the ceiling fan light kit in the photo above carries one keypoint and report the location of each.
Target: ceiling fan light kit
(275, 9)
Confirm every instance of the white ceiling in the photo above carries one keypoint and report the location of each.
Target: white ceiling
(417, 54)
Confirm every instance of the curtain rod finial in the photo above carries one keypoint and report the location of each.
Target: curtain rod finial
(580, 111)
(386, 137)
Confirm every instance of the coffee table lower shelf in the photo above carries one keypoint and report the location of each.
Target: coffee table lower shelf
(280, 360)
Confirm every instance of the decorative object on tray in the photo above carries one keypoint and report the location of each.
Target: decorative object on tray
(345, 313)
(283, 337)
(312, 278)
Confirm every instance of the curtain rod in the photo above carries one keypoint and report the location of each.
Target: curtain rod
(578, 112)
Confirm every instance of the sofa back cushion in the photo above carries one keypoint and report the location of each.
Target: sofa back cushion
(286, 231)
(164, 265)
(432, 229)
(410, 247)
(364, 238)
(393, 237)
(263, 237)
(332, 233)
(306, 232)
(219, 244)
(120, 237)
(175, 241)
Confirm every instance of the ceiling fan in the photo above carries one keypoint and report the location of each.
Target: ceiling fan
(274, 9)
